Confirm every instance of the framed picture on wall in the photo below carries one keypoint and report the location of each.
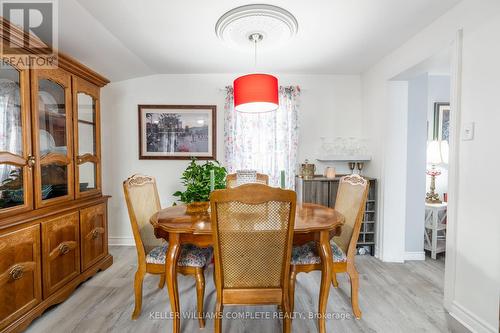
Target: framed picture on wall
(441, 122)
(180, 132)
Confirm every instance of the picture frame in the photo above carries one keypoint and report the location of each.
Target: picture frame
(177, 132)
(441, 122)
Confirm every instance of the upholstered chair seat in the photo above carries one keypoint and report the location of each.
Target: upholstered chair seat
(190, 256)
(307, 254)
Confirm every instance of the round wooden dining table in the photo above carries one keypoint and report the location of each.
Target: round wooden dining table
(312, 222)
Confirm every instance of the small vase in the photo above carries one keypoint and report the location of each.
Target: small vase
(197, 207)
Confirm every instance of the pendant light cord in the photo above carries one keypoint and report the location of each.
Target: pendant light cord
(255, 52)
(255, 38)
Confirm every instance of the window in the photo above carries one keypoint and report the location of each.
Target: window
(265, 142)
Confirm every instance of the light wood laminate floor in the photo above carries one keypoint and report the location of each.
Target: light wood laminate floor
(393, 298)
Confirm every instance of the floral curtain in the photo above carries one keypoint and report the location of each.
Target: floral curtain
(266, 142)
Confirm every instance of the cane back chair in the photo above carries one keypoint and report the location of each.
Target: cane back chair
(252, 227)
(350, 202)
(143, 201)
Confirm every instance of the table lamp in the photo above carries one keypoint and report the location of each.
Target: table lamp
(437, 153)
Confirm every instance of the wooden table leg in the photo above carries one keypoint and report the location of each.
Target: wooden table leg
(325, 253)
(171, 277)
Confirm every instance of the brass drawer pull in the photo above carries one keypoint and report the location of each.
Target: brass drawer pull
(95, 233)
(63, 249)
(16, 272)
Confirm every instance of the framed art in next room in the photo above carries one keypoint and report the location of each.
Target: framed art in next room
(441, 122)
(180, 132)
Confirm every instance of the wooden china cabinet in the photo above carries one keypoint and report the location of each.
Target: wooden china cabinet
(53, 215)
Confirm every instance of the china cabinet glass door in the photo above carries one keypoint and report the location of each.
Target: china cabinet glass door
(15, 148)
(87, 138)
(52, 138)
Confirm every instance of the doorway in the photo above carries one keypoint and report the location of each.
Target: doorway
(424, 94)
(404, 170)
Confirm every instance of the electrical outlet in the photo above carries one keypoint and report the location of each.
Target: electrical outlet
(468, 131)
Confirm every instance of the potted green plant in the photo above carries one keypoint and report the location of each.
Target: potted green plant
(196, 179)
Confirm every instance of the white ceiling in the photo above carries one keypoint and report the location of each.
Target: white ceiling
(126, 39)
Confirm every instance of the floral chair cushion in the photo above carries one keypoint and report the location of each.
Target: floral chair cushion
(307, 254)
(190, 255)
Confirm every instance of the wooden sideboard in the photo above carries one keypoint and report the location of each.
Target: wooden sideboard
(323, 191)
(53, 215)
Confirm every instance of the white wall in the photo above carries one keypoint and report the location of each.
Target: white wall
(395, 139)
(477, 269)
(415, 165)
(475, 279)
(330, 106)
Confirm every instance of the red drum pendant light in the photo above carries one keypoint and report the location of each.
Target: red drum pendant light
(256, 93)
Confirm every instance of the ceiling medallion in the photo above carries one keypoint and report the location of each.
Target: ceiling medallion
(275, 24)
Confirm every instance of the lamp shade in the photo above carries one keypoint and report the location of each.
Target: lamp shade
(437, 152)
(256, 93)
(445, 151)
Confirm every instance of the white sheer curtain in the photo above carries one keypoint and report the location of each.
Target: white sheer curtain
(10, 122)
(266, 142)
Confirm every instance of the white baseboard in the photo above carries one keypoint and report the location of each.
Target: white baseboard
(121, 241)
(392, 258)
(418, 255)
(470, 320)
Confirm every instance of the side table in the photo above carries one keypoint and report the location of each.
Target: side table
(435, 228)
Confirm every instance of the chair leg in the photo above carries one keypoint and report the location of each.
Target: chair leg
(200, 294)
(218, 317)
(139, 277)
(287, 315)
(291, 292)
(354, 277)
(334, 280)
(162, 281)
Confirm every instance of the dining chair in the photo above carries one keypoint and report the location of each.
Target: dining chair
(142, 199)
(252, 226)
(350, 202)
(233, 181)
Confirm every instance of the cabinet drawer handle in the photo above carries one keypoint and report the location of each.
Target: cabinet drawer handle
(95, 233)
(16, 272)
(63, 249)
